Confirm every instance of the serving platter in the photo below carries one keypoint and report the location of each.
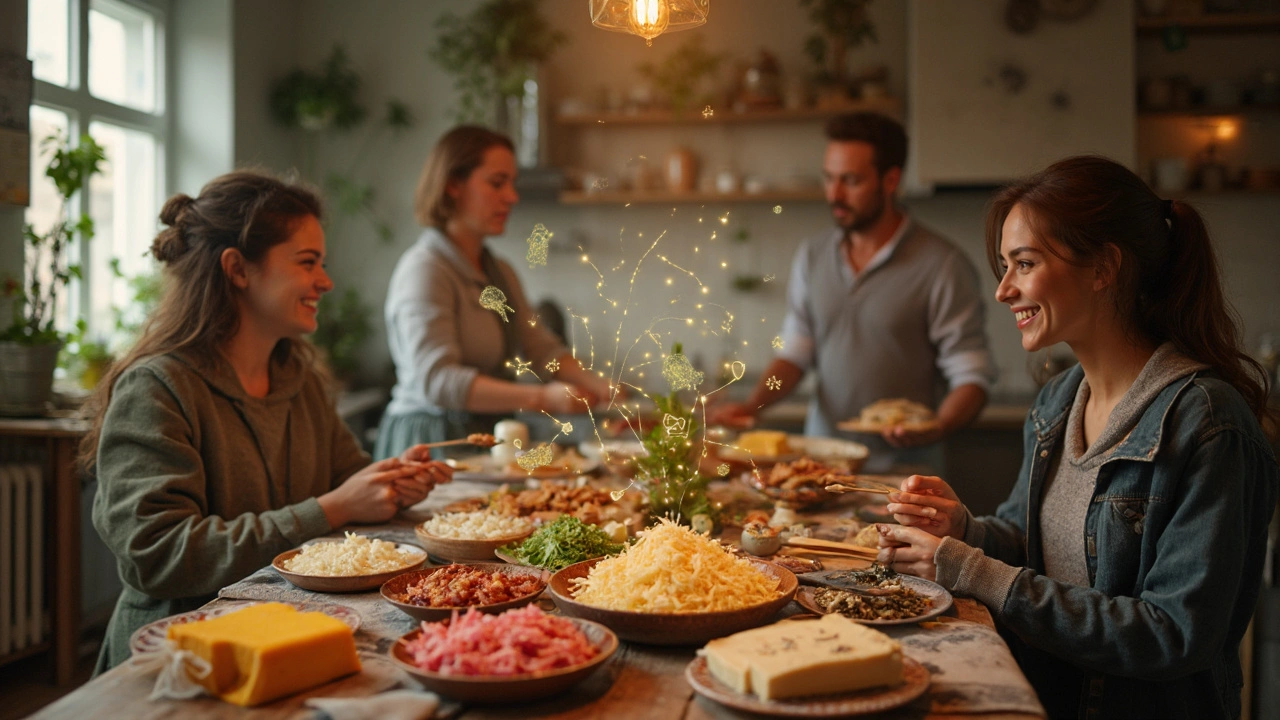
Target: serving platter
(939, 596)
(672, 628)
(496, 689)
(393, 591)
(345, 583)
(151, 637)
(861, 702)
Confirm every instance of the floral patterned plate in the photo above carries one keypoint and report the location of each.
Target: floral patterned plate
(151, 637)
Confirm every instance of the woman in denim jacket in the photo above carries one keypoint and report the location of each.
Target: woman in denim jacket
(1125, 565)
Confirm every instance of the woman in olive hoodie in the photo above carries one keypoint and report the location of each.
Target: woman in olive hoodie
(215, 442)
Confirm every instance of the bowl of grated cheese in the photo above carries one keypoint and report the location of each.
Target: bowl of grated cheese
(674, 587)
(471, 536)
(355, 564)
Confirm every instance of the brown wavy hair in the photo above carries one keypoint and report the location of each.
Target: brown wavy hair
(1169, 287)
(248, 210)
(455, 156)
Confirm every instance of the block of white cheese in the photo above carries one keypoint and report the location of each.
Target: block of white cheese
(796, 658)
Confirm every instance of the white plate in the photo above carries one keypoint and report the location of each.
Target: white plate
(151, 637)
(483, 468)
(818, 448)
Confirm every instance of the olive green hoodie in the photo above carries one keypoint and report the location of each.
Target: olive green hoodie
(200, 484)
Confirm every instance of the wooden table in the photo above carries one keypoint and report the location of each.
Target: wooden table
(638, 682)
(57, 440)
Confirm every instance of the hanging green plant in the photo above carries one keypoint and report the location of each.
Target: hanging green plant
(843, 25)
(681, 73)
(492, 52)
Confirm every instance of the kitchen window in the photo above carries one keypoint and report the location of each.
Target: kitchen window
(99, 68)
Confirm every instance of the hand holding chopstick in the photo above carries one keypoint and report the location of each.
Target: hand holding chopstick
(479, 439)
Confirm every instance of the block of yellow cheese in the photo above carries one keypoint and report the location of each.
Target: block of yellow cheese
(797, 658)
(769, 443)
(268, 651)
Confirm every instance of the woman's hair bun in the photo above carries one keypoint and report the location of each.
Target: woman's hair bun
(171, 213)
(169, 245)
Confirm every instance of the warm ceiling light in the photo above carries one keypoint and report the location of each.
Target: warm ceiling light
(648, 18)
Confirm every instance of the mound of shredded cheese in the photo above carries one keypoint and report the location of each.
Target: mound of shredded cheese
(357, 555)
(672, 569)
(478, 525)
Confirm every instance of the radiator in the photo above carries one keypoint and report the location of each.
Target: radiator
(21, 556)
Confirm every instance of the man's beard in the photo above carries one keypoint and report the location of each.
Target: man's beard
(861, 221)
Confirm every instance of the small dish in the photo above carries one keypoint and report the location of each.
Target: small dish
(673, 628)
(345, 583)
(462, 550)
(510, 688)
(151, 637)
(860, 702)
(394, 588)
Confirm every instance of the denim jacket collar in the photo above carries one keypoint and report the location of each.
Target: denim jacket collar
(1049, 416)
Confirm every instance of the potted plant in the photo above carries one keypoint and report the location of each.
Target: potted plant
(680, 74)
(843, 25)
(329, 100)
(29, 347)
(492, 54)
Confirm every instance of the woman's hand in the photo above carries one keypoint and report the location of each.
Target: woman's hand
(930, 504)
(369, 495)
(559, 398)
(411, 491)
(908, 550)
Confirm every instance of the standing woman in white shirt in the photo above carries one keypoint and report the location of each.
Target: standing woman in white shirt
(454, 358)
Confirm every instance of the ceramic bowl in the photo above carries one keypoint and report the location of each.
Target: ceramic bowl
(393, 591)
(345, 583)
(492, 689)
(459, 550)
(672, 628)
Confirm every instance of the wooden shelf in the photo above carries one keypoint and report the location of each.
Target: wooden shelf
(1213, 23)
(888, 106)
(1204, 112)
(580, 197)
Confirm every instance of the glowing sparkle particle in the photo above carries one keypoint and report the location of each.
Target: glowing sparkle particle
(566, 428)
(679, 372)
(706, 290)
(491, 298)
(539, 241)
(536, 458)
(617, 494)
(777, 209)
(777, 342)
(517, 443)
(553, 365)
(708, 112)
(677, 427)
(770, 277)
(773, 383)
(724, 264)
(724, 219)
(738, 368)
(521, 366)
(722, 469)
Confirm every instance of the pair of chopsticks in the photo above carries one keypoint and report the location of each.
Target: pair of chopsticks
(804, 543)
(848, 487)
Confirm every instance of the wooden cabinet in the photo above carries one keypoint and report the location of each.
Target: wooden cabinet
(765, 156)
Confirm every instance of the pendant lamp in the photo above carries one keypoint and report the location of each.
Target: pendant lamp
(648, 18)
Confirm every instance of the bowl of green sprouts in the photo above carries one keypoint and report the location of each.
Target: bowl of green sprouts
(561, 543)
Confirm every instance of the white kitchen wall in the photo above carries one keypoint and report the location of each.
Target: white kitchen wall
(387, 42)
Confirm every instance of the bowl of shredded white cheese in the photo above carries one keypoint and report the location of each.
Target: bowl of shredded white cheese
(471, 536)
(354, 564)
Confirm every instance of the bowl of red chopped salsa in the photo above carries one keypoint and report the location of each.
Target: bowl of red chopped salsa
(435, 593)
(519, 655)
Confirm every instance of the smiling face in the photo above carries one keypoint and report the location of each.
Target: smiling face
(854, 188)
(483, 201)
(283, 290)
(1052, 300)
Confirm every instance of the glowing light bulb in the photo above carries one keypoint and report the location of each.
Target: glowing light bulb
(649, 18)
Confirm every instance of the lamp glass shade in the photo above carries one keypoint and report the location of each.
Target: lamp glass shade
(648, 18)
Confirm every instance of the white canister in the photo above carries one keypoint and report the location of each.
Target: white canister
(507, 432)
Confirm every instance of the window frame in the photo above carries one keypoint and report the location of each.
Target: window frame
(83, 109)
